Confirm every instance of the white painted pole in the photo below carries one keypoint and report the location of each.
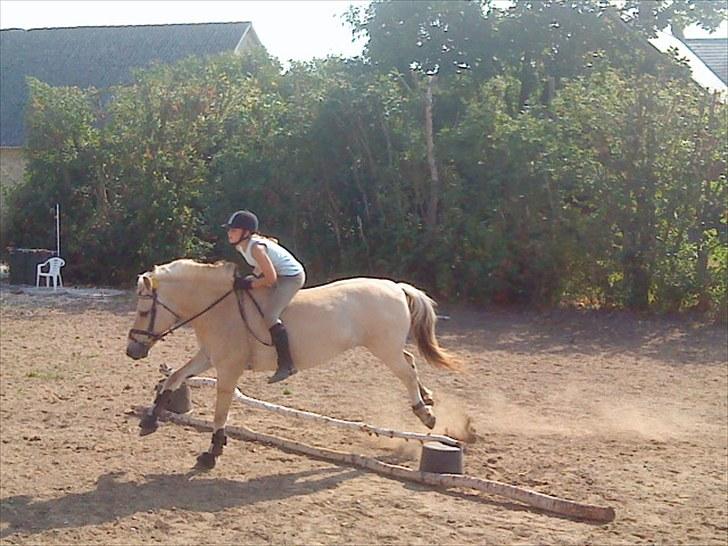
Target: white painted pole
(341, 423)
(58, 230)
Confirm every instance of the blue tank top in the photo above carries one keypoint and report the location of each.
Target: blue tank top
(285, 264)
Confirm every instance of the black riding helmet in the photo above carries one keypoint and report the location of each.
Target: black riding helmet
(242, 219)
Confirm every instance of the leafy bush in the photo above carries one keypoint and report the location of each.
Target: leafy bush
(567, 174)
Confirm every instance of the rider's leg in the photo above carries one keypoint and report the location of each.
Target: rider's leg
(285, 363)
(280, 297)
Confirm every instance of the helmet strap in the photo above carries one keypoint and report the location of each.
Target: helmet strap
(243, 238)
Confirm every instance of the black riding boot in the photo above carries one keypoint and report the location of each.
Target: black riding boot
(285, 363)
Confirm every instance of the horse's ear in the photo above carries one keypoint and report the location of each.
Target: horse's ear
(150, 283)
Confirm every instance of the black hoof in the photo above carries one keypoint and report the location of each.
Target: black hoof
(147, 425)
(206, 461)
(282, 374)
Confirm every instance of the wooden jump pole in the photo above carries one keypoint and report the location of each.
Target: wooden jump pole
(340, 423)
(541, 501)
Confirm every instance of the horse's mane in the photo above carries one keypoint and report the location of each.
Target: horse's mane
(190, 270)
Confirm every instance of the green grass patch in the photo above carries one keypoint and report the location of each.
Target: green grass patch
(44, 375)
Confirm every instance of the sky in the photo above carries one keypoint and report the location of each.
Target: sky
(288, 29)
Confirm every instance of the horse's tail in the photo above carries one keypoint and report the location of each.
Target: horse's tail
(422, 321)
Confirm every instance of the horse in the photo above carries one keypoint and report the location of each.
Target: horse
(322, 321)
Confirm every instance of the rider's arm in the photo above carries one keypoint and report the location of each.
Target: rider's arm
(270, 276)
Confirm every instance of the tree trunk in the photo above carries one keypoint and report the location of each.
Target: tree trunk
(701, 267)
(335, 222)
(102, 196)
(527, 80)
(434, 194)
(640, 242)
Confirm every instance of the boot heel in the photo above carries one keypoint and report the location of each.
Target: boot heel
(285, 363)
(282, 374)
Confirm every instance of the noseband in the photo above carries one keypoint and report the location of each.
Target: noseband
(149, 332)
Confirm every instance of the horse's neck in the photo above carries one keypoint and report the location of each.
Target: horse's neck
(193, 295)
(211, 303)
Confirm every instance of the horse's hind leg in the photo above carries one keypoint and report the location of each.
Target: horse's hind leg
(425, 393)
(403, 367)
(197, 364)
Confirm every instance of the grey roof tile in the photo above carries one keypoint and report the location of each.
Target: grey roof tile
(95, 57)
(713, 52)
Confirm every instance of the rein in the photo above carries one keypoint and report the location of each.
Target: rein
(155, 300)
(149, 332)
(241, 306)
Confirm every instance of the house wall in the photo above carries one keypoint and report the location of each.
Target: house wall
(12, 166)
(249, 41)
(12, 170)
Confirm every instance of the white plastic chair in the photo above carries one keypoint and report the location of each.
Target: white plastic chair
(54, 272)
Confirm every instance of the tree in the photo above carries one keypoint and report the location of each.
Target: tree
(650, 212)
(601, 180)
(650, 17)
(62, 151)
(434, 37)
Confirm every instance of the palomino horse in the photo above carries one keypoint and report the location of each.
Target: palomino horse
(322, 322)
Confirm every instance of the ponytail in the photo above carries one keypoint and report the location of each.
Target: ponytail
(267, 237)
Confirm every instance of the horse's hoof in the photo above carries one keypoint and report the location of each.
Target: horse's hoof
(147, 425)
(144, 431)
(424, 414)
(205, 461)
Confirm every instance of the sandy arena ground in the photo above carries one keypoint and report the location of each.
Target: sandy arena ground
(605, 408)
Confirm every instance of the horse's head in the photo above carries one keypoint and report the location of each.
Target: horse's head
(153, 317)
(173, 295)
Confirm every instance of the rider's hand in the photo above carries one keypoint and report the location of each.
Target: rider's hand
(243, 283)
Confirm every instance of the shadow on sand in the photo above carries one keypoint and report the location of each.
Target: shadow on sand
(113, 499)
(673, 340)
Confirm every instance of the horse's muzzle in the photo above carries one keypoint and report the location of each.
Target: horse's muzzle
(136, 350)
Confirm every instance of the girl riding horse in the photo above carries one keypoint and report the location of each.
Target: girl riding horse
(274, 268)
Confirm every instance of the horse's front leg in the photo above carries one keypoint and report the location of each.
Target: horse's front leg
(226, 381)
(197, 364)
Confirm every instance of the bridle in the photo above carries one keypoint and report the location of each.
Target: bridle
(152, 312)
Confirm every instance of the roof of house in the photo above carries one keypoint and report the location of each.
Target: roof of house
(702, 74)
(713, 52)
(98, 57)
